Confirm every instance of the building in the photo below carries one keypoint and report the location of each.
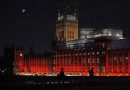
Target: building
(76, 51)
(36, 65)
(66, 25)
(97, 55)
(92, 50)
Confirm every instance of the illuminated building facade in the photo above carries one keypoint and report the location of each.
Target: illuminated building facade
(31, 64)
(92, 50)
(67, 25)
(97, 55)
(75, 53)
(75, 61)
(20, 64)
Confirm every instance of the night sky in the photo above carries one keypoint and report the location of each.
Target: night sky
(32, 22)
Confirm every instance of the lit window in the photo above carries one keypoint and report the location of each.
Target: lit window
(109, 34)
(118, 34)
(97, 52)
(93, 61)
(126, 57)
(98, 60)
(84, 60)
(68, 34)
(93, 53)
(88, 60)
(103, 45)
(21, 54)
(103, 52)
(114, 58)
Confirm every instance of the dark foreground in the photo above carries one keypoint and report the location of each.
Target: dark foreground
(64, 83)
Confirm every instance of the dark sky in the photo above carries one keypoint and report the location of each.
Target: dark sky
(36, 26)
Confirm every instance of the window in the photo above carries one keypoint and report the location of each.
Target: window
(126, 60)
(21, 54)
(114, 58)
(126, 57)
(103, 45)
(115, 69)
(97, 52)
(102, 69)
(103, 52)
(70, 34)
(84, 60)
(93, 61)
(98, 60)
(88, 60)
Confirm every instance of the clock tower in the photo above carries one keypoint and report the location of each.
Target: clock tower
(67, 25)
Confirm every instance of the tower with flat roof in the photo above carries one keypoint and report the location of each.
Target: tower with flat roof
(67, 25)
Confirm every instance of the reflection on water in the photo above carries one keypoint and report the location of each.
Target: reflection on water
(68, 83)
(64, 85)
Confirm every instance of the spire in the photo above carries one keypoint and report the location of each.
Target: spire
(75, 12)
(67, 9)
(58, 12)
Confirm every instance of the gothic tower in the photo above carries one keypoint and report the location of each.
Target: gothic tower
(18, 60)
(67, 25)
